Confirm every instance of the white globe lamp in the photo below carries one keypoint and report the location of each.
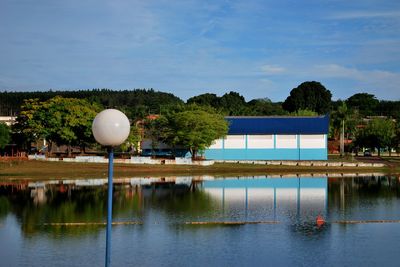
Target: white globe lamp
(110, 128)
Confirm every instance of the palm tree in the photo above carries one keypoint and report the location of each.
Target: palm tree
(342, 115)
(343, 119)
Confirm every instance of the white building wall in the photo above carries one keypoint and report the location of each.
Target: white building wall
(286, 141)
(235, 141)
(260, 141)
(267, 141)
(312, 141)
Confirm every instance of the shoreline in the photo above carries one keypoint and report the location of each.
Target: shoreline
(45, 170)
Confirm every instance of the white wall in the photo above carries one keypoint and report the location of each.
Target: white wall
(235, 141)
(312, 141)
(286, 141)
(260, 141)
(267, 141)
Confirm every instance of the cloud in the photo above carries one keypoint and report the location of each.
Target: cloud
(334, 70)
(372, 81)
(272, 69)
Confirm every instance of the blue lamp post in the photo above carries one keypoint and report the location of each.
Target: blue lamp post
(110, 128)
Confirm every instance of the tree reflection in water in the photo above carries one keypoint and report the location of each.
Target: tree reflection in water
(293, 201)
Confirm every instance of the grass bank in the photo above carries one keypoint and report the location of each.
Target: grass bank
(16, 170)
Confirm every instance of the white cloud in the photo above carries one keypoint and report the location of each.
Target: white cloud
(384, 84)
(272, 69)
(334, 70)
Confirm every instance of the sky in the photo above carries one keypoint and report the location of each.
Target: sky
(258, 48)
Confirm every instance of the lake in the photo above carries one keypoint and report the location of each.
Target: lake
(231, 221)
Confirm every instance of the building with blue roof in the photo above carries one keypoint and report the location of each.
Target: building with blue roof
(273, 138)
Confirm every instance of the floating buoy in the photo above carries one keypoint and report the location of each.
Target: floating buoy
(320, 220)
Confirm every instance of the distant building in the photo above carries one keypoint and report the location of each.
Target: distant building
(9, 120)
(273, 138)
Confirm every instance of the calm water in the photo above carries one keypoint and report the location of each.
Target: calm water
(163, 237)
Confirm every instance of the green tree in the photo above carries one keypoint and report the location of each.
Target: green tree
(309, 95)
(4, 135)
(377, 133)
(233, 104)
(304, 113)
(339, 118)
(207, 99)
(28, 127)
(389, 108)
(396, 140)
(264, 107)
(366, 104)
(156, 130)
(64, 121)
(131, 144)
(194, 129)
(68, 121)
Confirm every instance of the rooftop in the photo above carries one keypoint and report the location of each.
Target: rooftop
(278, 125)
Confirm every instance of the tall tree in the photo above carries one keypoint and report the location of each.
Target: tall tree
(309, 95)
(341, 115)
(28, 127)
(233, 104)
(366, 104)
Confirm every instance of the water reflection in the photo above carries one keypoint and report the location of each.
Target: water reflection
(294, 201)
(165, 205)
(364, 198)
(255, 199)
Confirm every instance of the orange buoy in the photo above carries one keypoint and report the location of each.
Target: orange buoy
(320, 220)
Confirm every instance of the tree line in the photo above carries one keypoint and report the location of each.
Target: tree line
(64, 117)
(135, 103)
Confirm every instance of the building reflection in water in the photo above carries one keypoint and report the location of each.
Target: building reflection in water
(205, 198)
(245, 193)
(292, 196)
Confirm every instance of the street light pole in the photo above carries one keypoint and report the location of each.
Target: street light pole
(110, 151)
(110, 128)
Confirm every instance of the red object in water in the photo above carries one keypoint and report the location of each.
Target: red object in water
(320, 220)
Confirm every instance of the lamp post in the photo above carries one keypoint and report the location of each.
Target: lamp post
(110, 128)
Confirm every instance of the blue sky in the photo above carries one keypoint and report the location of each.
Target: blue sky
(257, 48)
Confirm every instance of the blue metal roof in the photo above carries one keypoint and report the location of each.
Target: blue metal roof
(278, 125)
